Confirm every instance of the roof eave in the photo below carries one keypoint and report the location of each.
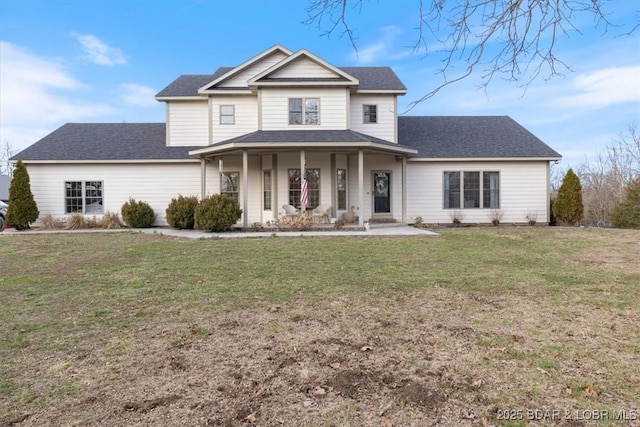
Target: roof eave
(384, 91)
(107, 161)
(180, 98)
(484, 159)
(203, 152)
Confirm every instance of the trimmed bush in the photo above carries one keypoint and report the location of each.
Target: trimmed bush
(217, 213)
(137, 214)
(567, 206)
(626, 213)
(181, 212)
(22, 206)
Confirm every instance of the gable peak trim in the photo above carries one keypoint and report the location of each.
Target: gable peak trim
(251, 61)
(350, 80)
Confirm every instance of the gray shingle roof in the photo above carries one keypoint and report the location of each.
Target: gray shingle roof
(105, 141)
(375, 78)
(188, 84)
(470, 137)
(303, 136)
(370, 78)
(434, 137)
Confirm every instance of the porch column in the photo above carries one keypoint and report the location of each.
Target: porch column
(334, 195)
(274, 189)
(245, 188)
(360, 187)
(203, 177)
(303, 161)
(404, 190)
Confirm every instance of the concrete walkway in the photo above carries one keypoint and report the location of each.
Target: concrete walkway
(376, 230)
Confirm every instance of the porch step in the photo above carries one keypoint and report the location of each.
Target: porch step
(389, 220)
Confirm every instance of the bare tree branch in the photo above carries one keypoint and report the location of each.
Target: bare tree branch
(512, 39)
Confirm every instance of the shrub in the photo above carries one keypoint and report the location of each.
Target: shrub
(302, 222)
(110, 220)
(217, 213)
(626, 213)
(51, 223)
(456, 217)
(495, 215)
(76, 221)
(137, 214)
(22, 209)
(567, 206)
(181, 212)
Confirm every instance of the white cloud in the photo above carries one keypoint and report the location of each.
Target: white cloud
(98, 52)
(37, 94)
(138, 95)
(602, 88)
(383, 49)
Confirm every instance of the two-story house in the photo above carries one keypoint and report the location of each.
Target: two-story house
(252, 131)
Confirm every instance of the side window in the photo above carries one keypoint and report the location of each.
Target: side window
(227, 114)
(370, 114)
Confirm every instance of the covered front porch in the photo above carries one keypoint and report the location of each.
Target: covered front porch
(366, 177)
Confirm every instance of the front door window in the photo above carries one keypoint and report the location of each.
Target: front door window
(381, 192)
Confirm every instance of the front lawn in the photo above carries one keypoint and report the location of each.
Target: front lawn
(476, 326)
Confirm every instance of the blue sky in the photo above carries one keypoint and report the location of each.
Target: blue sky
(99, 61)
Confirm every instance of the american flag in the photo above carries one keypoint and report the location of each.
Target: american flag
(304, 190)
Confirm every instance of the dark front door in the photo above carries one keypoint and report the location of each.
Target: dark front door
(381, 192)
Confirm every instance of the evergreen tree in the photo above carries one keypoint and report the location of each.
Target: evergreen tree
(626, 213)
(567, 206)
(22, 209)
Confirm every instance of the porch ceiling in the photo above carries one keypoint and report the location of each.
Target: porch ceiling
(323, 140)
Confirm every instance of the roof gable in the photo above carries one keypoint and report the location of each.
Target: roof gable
(300, 68)
(238, 76)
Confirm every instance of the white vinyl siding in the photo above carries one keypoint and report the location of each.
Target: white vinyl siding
(245, 116)
(241, 79)
(303, 68)
(385, 126)
(522, 190)
(275, 107)
(187, 123)
(156, 184)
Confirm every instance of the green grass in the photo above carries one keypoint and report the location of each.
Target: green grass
(570, 292)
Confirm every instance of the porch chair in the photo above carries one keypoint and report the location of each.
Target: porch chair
(289, 210)
(321, 213)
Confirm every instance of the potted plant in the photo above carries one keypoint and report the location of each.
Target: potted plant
(349, 216)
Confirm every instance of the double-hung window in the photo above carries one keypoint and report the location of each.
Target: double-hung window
(471, 189)
(84, 197)
(370, 114)
(229, 184)
(227, 114)
(313, 187)
(341, 182)
(266, 188)
(304, 111)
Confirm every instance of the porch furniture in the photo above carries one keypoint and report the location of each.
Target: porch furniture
(289, 210)
(321, 213)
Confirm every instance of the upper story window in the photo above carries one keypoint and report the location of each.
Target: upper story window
(227, 114)
(304, 111)
(370, 114)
